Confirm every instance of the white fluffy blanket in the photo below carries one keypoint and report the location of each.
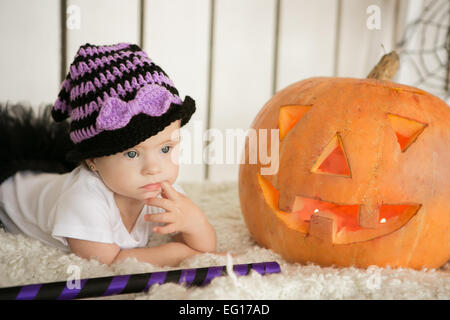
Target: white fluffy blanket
(26, 261)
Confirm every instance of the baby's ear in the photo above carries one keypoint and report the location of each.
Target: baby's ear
(90, 163)
(90, 160)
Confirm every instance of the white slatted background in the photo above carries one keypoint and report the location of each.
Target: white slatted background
(29, 66)
(229, 55)
(176, 38)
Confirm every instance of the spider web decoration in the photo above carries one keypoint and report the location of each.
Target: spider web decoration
(425, 50)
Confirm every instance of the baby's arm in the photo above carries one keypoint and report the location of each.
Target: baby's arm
(203, 239)
(168, 254)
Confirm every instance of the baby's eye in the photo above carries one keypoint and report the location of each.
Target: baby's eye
(166, 149)
(131, 154)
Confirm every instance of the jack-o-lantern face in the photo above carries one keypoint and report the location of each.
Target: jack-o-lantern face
(362, 169)
(339, 222)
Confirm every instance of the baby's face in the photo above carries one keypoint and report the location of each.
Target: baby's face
(129, 173)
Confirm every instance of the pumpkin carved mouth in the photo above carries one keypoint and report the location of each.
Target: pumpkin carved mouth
(333, 222)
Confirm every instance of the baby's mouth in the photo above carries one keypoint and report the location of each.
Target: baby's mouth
(152, 187)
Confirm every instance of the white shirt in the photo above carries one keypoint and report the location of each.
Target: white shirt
(52, 207)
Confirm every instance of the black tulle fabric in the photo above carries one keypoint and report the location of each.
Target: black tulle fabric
(31, 140)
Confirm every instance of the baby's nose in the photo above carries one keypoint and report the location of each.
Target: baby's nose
(151, 168)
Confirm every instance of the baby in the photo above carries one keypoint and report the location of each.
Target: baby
(125, 118)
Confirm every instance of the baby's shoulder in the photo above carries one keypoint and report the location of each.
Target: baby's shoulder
(84, 183)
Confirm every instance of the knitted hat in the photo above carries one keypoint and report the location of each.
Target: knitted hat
(116, 97)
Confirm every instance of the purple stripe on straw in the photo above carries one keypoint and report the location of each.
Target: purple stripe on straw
(187, 276)
(68, 294)
(156, 278)
(117, 285)
(213, 272)
(28, 292)
(259, 267)
(273, 267)
(241, 269)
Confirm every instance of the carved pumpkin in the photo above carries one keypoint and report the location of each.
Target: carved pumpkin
(363, 178)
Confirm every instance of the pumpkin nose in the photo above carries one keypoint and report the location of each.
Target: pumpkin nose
(333, 160)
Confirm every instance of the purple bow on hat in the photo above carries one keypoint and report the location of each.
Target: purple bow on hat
(152, 99)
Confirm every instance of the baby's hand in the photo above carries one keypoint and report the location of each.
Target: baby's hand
(182, 215)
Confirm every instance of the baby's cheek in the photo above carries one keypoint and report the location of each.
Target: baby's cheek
(173, 170)
(122, 184)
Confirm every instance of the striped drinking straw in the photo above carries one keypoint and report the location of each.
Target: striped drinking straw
(132, 283)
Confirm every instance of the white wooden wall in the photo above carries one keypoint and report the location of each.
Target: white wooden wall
(229, 55)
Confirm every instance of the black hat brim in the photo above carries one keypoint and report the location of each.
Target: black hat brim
(140, 128)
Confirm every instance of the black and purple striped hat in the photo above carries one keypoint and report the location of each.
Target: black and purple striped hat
(116, 97)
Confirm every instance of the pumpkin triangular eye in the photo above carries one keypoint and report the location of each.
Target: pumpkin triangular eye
(333, 160)
(289, 116)
(406, 130)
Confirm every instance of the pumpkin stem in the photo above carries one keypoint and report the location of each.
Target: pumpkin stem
(386, 68)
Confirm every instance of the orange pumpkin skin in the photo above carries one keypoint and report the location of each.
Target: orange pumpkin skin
(382, 170)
